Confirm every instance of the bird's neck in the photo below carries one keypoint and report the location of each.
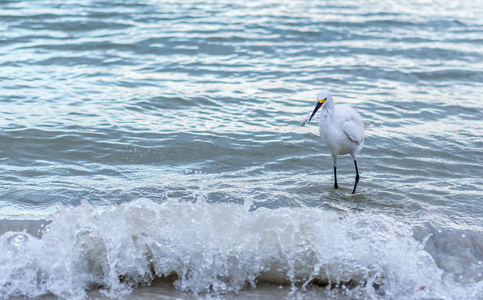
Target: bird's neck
(329, 104)
(328, 111)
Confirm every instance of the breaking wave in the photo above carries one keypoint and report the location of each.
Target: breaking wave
(202, 247)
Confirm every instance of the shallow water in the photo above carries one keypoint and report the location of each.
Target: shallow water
(146, 139)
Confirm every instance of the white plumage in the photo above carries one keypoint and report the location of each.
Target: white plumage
(341, 129)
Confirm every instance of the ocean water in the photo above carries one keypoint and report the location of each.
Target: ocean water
(153, 150)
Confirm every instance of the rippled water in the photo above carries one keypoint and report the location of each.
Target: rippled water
(159, 144)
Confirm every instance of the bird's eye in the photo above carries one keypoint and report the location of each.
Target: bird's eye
(322, 100)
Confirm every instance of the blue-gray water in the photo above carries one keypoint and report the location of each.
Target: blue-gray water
(154, 149)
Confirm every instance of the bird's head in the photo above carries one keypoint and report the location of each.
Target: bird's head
(322, 97)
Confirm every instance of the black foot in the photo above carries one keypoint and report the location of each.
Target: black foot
(335, 178)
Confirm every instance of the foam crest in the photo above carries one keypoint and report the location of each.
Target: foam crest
(218, 248)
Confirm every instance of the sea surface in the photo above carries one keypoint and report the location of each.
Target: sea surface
(153, 150)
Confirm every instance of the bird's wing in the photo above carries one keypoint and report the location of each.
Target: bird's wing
(353, 130)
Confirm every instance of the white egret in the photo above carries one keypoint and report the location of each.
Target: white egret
(341, 129)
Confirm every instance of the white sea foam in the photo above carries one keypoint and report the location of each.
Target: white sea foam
(220, 248)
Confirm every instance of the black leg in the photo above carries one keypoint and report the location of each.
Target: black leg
(335, 177)
(357, 178)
